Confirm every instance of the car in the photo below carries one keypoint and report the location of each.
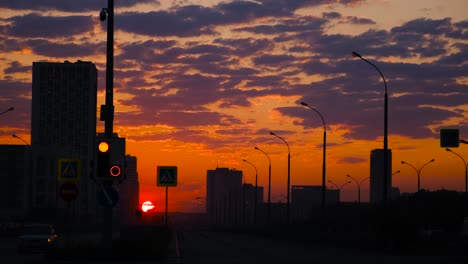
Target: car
(37, 238)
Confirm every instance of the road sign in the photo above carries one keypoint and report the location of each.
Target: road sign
(68, 191)
(108, 197)
(166, 176)
(69, 169)
(449, 138)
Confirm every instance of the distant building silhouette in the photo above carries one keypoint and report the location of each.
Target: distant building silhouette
(129, 193)
(15, 177)
(306, 199)
(395, 193)
(224, 196)
(63, 125)
(249, 201)
(377, 174)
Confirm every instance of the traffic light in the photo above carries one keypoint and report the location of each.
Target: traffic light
(110, 160)
(103, 158)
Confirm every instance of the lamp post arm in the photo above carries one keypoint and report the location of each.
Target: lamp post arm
(364, 180)
(269, 160)
(381, 74)
(315, 110)
(352, 178)
(432, 160)
(285, 143)
(414, 168)
(334, 184)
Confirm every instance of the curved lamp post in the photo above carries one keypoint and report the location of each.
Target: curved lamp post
(466, 168)
(418, 171)
(269, 184)
(255, 192)
(289, 174)
(358, 185)
(324, 147)
(8, 110)
(385, 147)
(339, 187)
(15, 136)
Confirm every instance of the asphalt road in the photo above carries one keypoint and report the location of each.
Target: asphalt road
(193, 247)
(216, 247)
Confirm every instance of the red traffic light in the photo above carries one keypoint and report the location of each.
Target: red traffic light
(115, 171)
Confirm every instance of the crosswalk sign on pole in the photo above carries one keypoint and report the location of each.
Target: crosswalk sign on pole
(166, 176)
(69, 169)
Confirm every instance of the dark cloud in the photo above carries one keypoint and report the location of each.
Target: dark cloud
(17, 67)
(425, 26)
(360, 20)
(246, 46)
(163, 23)
(331, 15)
(171, 80)
(65, 50)
(36, 26)
(352, 160)
(68, 6)
(289, 25)
(8, 44)
(194, 20)
(273, 60)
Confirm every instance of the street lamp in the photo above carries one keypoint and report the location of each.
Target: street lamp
(269, 183)
(418, 171)
(255, 192)
(385, 165)
(396, 172)
(8, 110)
(289, 173)
(359, 186)
(466, 168)
(324, 147)
(339, 187)
(15, 136)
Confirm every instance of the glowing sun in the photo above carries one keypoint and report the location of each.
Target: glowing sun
(146, 206)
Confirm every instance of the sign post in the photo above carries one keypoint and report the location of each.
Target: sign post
(166, 176)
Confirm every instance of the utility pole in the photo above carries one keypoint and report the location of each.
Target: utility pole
(107, 110)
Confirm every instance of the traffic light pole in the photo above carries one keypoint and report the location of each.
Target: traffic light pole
(107, 114)
(165, 220)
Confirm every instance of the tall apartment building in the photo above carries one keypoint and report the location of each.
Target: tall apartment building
(63, 125)
(307, 199)
(377, 175)
(224, 196)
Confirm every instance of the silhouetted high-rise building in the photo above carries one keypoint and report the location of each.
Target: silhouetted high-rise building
(63, 126)
(377, 174)
(224, 196)
(306, 200)
(129, 193)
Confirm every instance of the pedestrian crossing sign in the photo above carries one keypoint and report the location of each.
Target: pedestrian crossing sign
(166, 176)
(69, 169)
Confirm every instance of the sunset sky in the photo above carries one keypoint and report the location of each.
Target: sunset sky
(199, 84)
